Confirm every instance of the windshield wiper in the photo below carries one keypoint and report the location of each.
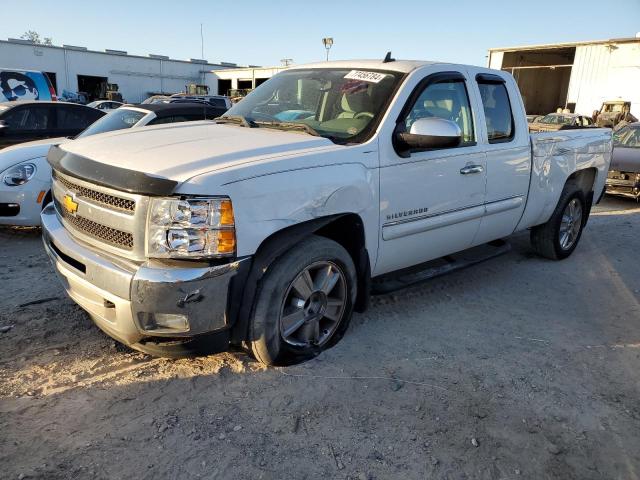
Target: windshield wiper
(290, 126)
(239, 119)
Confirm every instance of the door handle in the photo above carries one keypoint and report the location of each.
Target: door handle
(471, 169)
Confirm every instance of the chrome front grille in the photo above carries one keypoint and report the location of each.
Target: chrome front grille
(112, 201)
(106, 218)
(106, 234)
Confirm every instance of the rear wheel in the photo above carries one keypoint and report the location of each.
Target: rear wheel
(304, 302)
(558, 238)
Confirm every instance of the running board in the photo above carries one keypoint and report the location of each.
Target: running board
(393, 281)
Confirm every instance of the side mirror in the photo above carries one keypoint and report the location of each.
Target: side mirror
(430, 133)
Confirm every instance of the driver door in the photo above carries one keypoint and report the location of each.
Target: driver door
(432, 201)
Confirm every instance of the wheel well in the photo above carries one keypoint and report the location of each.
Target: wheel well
(345, 229)
(584, 179)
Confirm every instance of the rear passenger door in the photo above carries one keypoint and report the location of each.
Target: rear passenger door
(431, 201)
(505, 140)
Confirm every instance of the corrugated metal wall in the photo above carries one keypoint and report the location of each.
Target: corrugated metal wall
(603, 72)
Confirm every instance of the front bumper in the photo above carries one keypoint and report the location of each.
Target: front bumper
(121, 296)
(623, 183)
(28, 208)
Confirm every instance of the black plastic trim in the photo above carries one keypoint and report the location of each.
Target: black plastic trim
(118, 178)
(489, 78)
(9, 209)
(81, 267)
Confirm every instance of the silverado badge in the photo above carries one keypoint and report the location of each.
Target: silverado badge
(70, 205)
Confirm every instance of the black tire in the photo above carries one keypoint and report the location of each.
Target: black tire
(545, 238)
(266, 339)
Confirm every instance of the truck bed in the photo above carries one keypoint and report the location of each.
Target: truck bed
(557, 155)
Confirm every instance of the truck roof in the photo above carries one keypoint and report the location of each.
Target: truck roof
(403, 66)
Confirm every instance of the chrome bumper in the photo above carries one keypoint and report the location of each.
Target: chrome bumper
(121, 295)
(629, 188)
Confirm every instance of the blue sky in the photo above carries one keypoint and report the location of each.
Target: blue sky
(263, 32)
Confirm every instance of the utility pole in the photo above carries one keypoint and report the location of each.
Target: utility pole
(328, 43)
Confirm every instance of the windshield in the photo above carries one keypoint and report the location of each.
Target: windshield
(557, 120)
(114, 120)
(613, 107)
(340, 104)
(628, 137)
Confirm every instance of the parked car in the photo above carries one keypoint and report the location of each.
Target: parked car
(32, 120)
(74, 97)
(624, 174)
(157, 99)
(614, 114)
(219, 101)
(25, 175)
(219, 110)
(560, 121)
(105, 105)
(534, 118)
(259, 232)
(18, 85)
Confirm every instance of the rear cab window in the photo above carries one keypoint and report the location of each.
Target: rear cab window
(496, 104)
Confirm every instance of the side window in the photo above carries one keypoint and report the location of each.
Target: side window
(161, 120)
(15, 117)
(447, 100)
(218, 103)
(497, 111)
(35, 117)
(70, 118)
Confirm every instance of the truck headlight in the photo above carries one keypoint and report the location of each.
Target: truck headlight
(190, 228)
(19, 174)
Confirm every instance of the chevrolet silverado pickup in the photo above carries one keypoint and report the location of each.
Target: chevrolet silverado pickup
(267, 229)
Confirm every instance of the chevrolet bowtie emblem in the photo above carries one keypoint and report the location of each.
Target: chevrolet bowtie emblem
(69, 204)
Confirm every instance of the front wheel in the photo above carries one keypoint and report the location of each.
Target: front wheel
(304, 302)
(558, 238)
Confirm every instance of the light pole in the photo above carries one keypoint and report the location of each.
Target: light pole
(328, 43)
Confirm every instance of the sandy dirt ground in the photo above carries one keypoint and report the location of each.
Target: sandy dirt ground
(515, 368)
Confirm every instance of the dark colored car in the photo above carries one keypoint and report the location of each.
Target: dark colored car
(34, 120)
(624, 172)
(219, 106)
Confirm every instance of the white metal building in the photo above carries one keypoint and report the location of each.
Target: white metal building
(76, 69)
(244, 78)
(578, 75)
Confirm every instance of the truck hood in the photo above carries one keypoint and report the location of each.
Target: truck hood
(23, 152)
(181, 151)
(625, 159)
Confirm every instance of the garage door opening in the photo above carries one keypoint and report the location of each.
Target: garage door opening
(224, 86)
(245, 84)
(542, 76)
(94, 87)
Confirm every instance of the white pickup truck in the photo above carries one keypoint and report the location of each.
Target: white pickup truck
(267, 228)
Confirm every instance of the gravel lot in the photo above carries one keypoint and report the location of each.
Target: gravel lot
(515, 368)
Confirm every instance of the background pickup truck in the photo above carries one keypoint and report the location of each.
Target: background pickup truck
(269, 227)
